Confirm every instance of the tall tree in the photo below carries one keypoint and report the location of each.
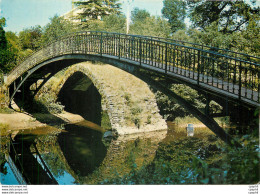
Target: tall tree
(175, 12)
(96, 9)
(7, 56)
(230, 16)
(3, 41)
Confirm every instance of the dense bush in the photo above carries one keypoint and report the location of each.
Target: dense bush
(171, 109)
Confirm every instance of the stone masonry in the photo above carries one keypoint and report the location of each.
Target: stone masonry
(130, 104)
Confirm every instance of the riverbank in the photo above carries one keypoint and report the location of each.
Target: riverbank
(19, 121)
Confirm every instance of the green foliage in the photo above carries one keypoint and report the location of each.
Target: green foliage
(182, 35)
(212, 37)
(30, 38)
(135, 115)
(175, 12)
(149, 121)
(4, 129)
(105, 121)
(2, 22)
(250, 41)
(110, 23)
(7, 55)
(151, 26)
(138, 15)
(96, 9)
(49, 101)
(127, 97)
(246, 41)
(3, 168)
(230, 16)
(170, 110)
(232, 25)
(7, 59)
(114, 23)
(6, 110)
(57, 27)
(46, 103)
(3, 41)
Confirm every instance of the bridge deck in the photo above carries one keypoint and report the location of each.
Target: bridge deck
(207, 82)
(231, 74)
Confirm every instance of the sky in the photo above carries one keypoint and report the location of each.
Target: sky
(21, 14)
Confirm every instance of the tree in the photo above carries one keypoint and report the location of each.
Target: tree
(7, 56)
(144, 24)
(175, 12)
(57, 27)
(3, 41)
(230, 16)
(96, 9)
(251, 43)
(30, 38)
(181, 35)
(115, 23)
(138, 15)
(110, 23)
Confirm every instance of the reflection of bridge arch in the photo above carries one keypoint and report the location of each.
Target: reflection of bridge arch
(116, 157)
(80, 149)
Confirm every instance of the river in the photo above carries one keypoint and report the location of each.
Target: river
(78, 154)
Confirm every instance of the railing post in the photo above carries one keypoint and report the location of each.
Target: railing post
(152, 50)
(119, 55)
(240, 80)
(198, 69)
(166, 58)
(101, 43)
(258, 96)
(140, 50)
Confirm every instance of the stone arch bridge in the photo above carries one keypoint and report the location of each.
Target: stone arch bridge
(219, 73)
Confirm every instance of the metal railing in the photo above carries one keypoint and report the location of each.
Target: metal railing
(231, 72)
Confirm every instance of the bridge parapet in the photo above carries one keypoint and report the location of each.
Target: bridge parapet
(228, 73)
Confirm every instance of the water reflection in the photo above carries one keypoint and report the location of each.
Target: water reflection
(26, 163)
(75, 155)
(83, 148)
(79, 154)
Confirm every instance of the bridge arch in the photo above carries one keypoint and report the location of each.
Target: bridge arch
(226, 74)
(130, 104)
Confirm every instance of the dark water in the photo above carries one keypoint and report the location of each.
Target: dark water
(68, 154)
(78, 154)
